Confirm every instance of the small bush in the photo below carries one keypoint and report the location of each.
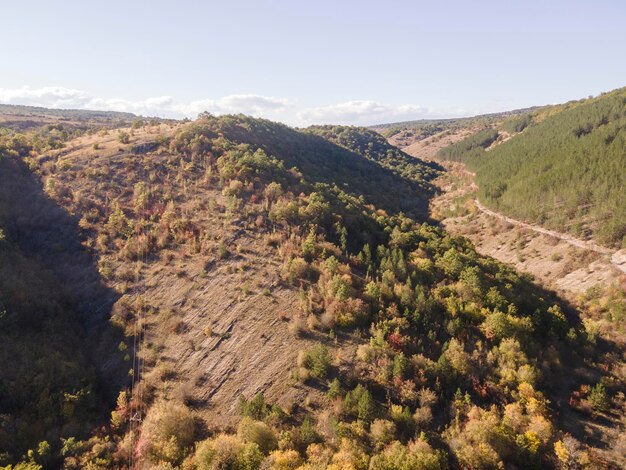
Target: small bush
(123, 137)
(297, 327)
(284, 460)
(297, 268)
(222, 251)
(224, 452)
(256, 408)
(599, 398)
(316, 360)
(258, 433)
(167, 432)
(383, 432)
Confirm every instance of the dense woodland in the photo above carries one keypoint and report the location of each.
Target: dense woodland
(460, 362)
(563, 168)
(471, 148)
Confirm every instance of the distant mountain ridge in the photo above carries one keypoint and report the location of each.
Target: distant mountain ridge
(22, 110)
(419, 123)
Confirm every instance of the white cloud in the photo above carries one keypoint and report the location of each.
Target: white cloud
(50, 96)
(61, 97)
(254, 105)
(362, 112)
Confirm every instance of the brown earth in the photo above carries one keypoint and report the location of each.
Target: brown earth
(216, 326)
(426, 148)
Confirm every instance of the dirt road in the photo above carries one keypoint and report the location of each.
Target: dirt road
(618, 258)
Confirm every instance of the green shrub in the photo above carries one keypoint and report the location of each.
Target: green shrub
(316, 360)
(599, 398)
(257, 432)
(256, 408)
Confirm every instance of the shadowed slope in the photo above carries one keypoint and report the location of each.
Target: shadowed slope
(57, 348)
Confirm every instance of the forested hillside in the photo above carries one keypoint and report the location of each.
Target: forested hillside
(471, 148)
(294, 268)
(562, 168)
(376, 148)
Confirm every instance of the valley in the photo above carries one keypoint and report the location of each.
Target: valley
(313, 236)
(249, 289)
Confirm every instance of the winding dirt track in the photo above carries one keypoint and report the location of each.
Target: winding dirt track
(618, 258)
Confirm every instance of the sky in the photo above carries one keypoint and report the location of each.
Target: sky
(346, 62)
